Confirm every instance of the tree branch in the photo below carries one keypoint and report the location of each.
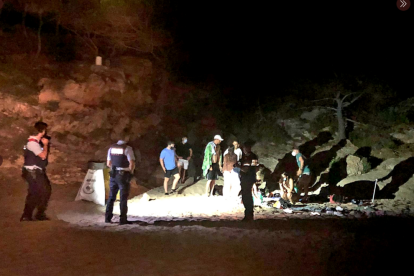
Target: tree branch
(317, 106)
(325, 99)
(353, 121)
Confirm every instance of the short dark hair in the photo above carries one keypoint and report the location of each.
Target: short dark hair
(40, 126)
(170, 143)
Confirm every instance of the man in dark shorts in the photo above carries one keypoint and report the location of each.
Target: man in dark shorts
(303, 174)
(212, 163)
(168, 163)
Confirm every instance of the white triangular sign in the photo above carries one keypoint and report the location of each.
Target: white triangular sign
(93, 187)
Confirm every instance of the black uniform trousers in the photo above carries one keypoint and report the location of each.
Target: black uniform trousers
(38, 194)
(247, 179)
(120, 182)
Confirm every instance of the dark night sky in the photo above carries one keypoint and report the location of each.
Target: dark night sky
(259, 45)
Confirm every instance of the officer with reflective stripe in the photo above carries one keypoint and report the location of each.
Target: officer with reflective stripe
(121, 160)
(34, 172)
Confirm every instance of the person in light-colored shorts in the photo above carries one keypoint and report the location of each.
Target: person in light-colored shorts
(183, 163)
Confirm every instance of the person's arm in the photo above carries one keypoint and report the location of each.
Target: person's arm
(129, 152)
(132, 165)
(108, 159)
(220, 162)
(43, 154)
(302, 162)
(191, 155)
(162, 164)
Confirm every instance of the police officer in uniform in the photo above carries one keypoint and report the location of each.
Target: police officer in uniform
(34, 172)
(121, 160)
(248, 172)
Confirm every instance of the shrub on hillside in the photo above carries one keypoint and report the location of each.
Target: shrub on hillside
(371, 136)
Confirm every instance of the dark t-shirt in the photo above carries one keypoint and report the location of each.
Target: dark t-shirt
(248, 158)
(183, 150)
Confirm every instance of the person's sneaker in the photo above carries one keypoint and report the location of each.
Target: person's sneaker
(123, 222)
(173, 191)
(25, 218)
(166, 194)
(108, 220)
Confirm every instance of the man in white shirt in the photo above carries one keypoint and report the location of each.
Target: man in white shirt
(237, 150)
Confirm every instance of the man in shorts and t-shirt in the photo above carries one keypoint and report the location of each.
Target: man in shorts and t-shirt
(184, 153)
(212, 163)
(303, 174)
(169, 165)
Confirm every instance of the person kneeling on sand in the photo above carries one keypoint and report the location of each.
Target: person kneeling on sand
(286, 187)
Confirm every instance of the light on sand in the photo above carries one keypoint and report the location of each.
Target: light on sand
(179, 207)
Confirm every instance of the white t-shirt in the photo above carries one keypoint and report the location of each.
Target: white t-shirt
(237, 151)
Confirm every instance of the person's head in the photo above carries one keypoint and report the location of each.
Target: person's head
(170, 144)
(184, 139)
(125, 137)
(236, 144)
(295, 151)
(231, 150)
(247, 149)
(40, 128)
(217, 139)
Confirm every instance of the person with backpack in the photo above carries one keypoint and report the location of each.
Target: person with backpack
(303, 174)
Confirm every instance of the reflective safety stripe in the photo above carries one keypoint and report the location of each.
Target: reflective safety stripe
(117, 151)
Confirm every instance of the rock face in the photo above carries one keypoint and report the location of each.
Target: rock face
(311, 115)
(404, 133)
(354, 165)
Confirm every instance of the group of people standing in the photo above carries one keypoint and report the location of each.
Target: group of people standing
(238, 166)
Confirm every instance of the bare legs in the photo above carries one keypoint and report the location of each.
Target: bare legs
(209, 186)
(174, 186)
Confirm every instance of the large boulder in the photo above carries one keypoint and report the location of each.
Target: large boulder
(138, 71)
(404, 133)
(95, 88)
(354, 165)
(74, 91)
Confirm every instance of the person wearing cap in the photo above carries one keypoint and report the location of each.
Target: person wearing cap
(212, 163)
(303, 173)
(121, 160)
